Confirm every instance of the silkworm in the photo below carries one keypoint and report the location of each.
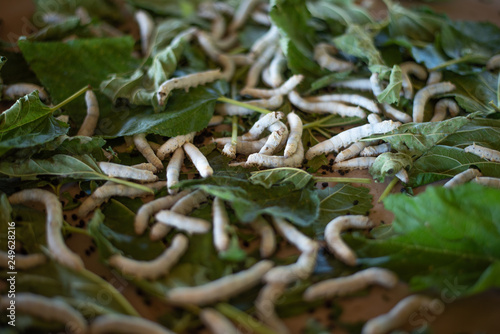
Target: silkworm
(230, 109)
(493, 62)
(174, 170)
(353, 150)
(146, 166)
(267, 236)
(434, 77)
(53, 225)
(264, 41)
(146, 28)
(255, 70)
(229, 150)
(261, 160)
(23, 261)
(293, 235)
(147, 152)
(187, 81)
(373, 119)
(218, 28)
(483, 152)
(350, 136)
(276, 69)
(398, 315)
(487, 181)
(227, 42)
(90, 122)
(403, 176)
(148, 209)
(277, 137)
(375, 84)
(198, 159)
(215, 120)
(63, 118)
(174, 143)
(323, 55)
(242, 13)
(120, 323)
(463, 177)
(354, 163)
(220, 289)
(286, 88)
(299, 270)
(295, 136)
(265, 307)
(126, 172)
(356, 84)
(442, 106)
(262, 124)
(220, 225)
(373, 151)
(412, 68)
(17, 90)
(154, 146)
(334, 242)
(424, 94)
(228, 67)
(244, 147)
(208, 45)
(354, 99)
(325, 107)
(182, 222)
(216, 322)
(261, 18)
(396, 114)
(155, 268)
(345, 285)
(48, 309)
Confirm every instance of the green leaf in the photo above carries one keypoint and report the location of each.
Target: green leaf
(56, 31)
(6, 209)
(482, 131)
(358, 42)
(388, 164)
(391, 93)
(270, 177)
(101, 9)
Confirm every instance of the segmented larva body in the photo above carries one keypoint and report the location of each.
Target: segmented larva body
(295, 135)
(120, 323)
(53, 225)
(198, 159)
(174, 143)
(373, 119)
(174, 170)
(276, 69)
(434, 77)
(220, 289)
(153, 269)
(147, 152)
(353, 150)
(242, 13)
(345, 285)
(376, 86)
(218, 28)
(323, 55)
(146, 166)
(293, 235)
(402, 175)
(216, 322)
(261, 18)
(126, 172)
(146, 28)
(356, 84)
(261, 160)
(325, 107)
(229, 150)
(23, 261)
(90, 122)
(148, 209)
(493, 62)
(48, 309)
(350, 136)
(227, 42)
(487, 181)
(442, 106)
(424, 94)
(354, 163)
(399, 314)
(396, 114)
(262, 124)
(255, 71)
(186, 82)
(354, 99)
(228, 66)
(335, 243)
(17, 90)
(299, 270)
(182, 222)
(230, 109)
(265, 307)
(266, 40)
(207, 43)
(286, 88)
(276, 139)
(215, 120)
(483, 152)
(244, 147)
(373, 151)
(463, 177)
(63, 118)
(220, 225)
(267, 236)
(412, 68)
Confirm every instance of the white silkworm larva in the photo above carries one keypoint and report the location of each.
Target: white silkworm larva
(120, 323)
(187, 81)
(493, 62)
(402, 175)
(323, 55)
(278, 136)
(266, 76)
(353, 150)
(295, 136)
(23, 261)
(442, 106)
(227, 42)
(208, 45)
(222, 288)
(242, 13)
(229, 150)
(146, 28)
(350, 136)
(218, 28)
(356, 84)
(154, 146)
(155, 268)
(399, 314)
(276, 69)
(286, 88)
(483, 152)
(463, 177)
(293, 235)
(261, 18)
(53, 225)
(424, 94)
(63, 118)
(396, 114)
(373, 151)
(230, 109)
(215, 120)
(375, 84)
(325, 107)
(262, 160)
(242, 146)
(335, 243)
(434, 77)
(220, 225)
(174, 170)
(299, 270)
(126, 172)
(147, 152)
(262, 124)
(145, 212)
(267, 236)
(174, 143)
(373, 119)
(487, 181)
(216, 322)
(146, 166)
(228, 66)
(90, 122)
(357, 100)
(254, 73)
(415, 69)
(181, 222)
(267, 39)
(198, 159)
(265, 306)
(17, 90)
(354, 163)
(344, 285)
(48, 309)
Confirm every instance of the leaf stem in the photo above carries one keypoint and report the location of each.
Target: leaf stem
(71, 229)
(234, 134)
(71, 98)
(130, 184)
(322, 132)
(454, 62)
(243, 104)
(317, 122)
(243, 319)
(341, 179)
(387, 190)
